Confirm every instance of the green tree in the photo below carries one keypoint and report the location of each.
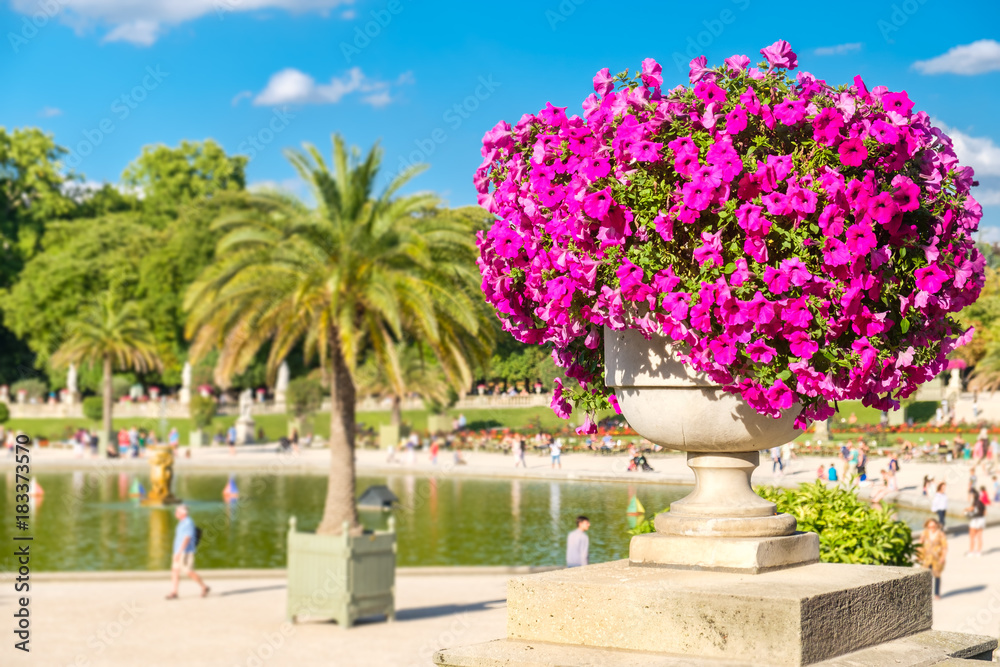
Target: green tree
(80, 258)
(359, 272)
(171, 177)
(417, 373)
(111, 334)
(31, 194)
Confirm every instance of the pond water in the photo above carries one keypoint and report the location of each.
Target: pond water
(86, 520)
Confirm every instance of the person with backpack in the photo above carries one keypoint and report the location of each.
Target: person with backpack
(186, 538)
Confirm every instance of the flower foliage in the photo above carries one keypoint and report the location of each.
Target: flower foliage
(798, 242)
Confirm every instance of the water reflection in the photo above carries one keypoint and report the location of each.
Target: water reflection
(88, 522)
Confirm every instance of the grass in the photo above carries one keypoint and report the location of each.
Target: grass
(275, 426)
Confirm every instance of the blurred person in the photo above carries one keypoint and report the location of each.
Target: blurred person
(555, 452)
(996, 489)
(578, 544)
(831, 473)
(939, 503)
(777, 466)
(435, 448)
(174, 439)
(927, 482)
(185, 545)
(932, 552)
(893, 468)
(882, 490)
(976, 512)
(231, 439)
(845, 456)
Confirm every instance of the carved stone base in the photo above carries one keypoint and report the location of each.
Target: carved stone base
(750, 555)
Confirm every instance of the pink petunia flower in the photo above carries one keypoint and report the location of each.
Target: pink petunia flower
(596, 204)
(737, 64)
(652, 73)
(604, 83)
(852, 153)
(780, 54)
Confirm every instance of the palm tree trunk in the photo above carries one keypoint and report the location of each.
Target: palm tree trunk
(340, 504)
(396, 418)
(112, 441)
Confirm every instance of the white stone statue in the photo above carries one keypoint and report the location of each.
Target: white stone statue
(71, 380)
(281, 388)
(283, 377)
(246, 401)
(186, 384)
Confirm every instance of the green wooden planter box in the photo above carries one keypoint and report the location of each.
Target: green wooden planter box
(340, 577)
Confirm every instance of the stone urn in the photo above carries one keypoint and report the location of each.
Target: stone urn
(722, 524)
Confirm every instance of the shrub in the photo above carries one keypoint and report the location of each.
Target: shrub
(202, 411)
(304, 397)
(850, 530)
(35, 388)
(4, 413)
(93, 408)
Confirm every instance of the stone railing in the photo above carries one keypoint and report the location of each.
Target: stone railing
(173, 409)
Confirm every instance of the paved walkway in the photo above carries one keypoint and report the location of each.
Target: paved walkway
(123, 620)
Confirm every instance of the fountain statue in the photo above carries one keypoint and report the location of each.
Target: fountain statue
(161, 476)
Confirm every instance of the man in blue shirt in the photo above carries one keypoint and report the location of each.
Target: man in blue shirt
(184, 548)
(578, 544)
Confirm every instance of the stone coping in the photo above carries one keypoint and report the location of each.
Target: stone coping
(280, 573)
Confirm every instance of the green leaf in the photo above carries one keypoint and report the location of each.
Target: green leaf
(904, 326)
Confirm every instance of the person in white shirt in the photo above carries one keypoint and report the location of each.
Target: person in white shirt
(939, 504)
(555, 449)
(578, 544)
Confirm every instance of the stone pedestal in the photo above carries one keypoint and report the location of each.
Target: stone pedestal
(820, 614)
(245, 430)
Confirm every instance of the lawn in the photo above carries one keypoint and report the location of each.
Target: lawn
(275, 426)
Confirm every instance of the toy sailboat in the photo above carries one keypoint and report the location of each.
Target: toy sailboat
(231, 492)
(136, 490)
(35, 489)
(635, 511)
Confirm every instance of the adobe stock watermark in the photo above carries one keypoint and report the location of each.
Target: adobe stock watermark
(32, 23)
(122, 107)
(562, 12)
(454, 117)
(107, 634)
(899, 16)
(714, 28)
(265, 650)
(259, 141)
(363, 35)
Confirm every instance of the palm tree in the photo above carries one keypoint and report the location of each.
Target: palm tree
(114, 335)
(414, 376)
(354, 275)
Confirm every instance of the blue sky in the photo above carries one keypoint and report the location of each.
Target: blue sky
(260, 75)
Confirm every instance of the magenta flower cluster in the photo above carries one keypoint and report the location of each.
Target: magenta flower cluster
(799, 243)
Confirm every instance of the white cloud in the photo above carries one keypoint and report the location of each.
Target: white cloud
(141, 22)
(980, 153)
(288, 185)
(292, 86)
(50, 112)
(987, 197)
(242, 95)
(976, 58)
(838, 50)
(348, 14)
(140, 33)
